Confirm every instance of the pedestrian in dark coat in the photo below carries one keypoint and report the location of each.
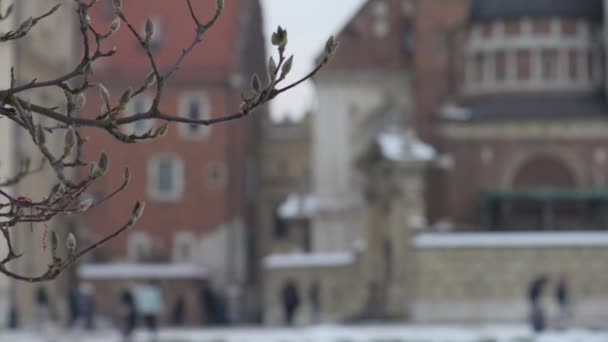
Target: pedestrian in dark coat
(129, 314)
(179, 311)
(562, 297)
(291, 301)
(537, 315)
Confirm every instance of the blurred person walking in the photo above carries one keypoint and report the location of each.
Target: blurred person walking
(315, 303)
(149, 304)
(213, 307)
(128, 312)
(179, 312)
(563, 299)
(43, 312)
(73, 305)
(87, 305)
(537, 312)
(291, 301)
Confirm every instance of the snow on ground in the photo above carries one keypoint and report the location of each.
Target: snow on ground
(328, 333)
(511, 239)
(294, 260)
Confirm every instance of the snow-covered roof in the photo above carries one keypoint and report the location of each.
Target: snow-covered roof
(302, 260)
(454, 112)
(298, 206)
(506, 239)
(404, 146)
(141, 270)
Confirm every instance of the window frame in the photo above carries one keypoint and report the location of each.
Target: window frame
(130, 111)
(178, 175)
(137, 240)
(183, 239)
(185, 99)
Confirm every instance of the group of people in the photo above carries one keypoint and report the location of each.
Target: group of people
(538, 307)
(144, 303)
(141, 302)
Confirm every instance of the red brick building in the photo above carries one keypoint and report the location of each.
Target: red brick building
(195, 180)
(512, 95)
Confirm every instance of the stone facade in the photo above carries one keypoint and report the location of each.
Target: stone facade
(376, 273)
(359, 94)
(341, 295)
(473, 284)
(32, 59)
(284, 169)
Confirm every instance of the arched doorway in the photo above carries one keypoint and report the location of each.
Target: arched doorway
(544, 171)
(543, 191)
(543, 182)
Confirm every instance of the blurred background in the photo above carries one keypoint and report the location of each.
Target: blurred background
(443, 178)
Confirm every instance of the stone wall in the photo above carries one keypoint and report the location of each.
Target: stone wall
(341, 291)
(484, 282)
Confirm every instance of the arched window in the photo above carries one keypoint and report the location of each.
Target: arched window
(184, 244)
(139, 246)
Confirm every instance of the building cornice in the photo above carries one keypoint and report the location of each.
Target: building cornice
(588, 129)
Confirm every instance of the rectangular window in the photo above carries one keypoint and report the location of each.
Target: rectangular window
(166, 178)
(138, 105)
(501, 66)
(194, 106)
(194, 113)
(572, 64)
(541, 26)
(512, 28)
(523, 65)
(549, 64)
(141, 126)
(478, 68)
(568, 27)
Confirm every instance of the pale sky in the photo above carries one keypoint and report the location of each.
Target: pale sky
(309, 23)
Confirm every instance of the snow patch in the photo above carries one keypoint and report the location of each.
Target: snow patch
(141, 270)
(454, 112)
(298, 206)
(505, 239)
(300, 260)
(404, 146)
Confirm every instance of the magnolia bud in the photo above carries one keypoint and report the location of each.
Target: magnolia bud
(219, 4)
(149, 30)
(286, 68)
(115, 25)
(81, 100)
(94, 171)
(85, 204)
(69, 140)
(256, 85)
(127, 176)
(330, 46)
(138, 210)
(272, 68)
(117, 5)
(104, 163)
(150, 80)
(70, 243)
(126, 97)
(26, 25)
(162, 130)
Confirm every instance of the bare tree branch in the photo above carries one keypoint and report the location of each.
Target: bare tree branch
(40, 121)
